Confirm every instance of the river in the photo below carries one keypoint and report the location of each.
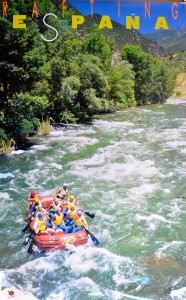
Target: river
(132, 176)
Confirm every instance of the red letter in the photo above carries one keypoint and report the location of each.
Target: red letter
(34, 9)
(147, 9)
(174, 13)
(63, 7)
(5, 6)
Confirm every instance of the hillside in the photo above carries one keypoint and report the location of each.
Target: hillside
(173, 40)
(120, 35)
(177, 63)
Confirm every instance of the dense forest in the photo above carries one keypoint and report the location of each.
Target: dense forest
(70, 79)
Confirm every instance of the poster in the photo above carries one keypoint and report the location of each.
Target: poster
(92, 94)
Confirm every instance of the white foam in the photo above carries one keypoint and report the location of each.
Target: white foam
(141, 191)
(56, 166)
(57, 133)
(39, 163)
(37, 264)
(176, 101)
(152, 218)
(112, 171)
(89, 258)
(4, 195)
(95, 290)
(179, 294)
(79, 265)
(176, 144)
(76, 139)
(137, 130)
(103, 124)
(55, 296)
(17, 152)
(170, 245)
(40, 147)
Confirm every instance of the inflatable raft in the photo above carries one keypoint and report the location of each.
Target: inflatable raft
(52, 240)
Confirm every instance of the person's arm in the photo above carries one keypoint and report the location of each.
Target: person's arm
(53, 220)
(31, 210)
(46, 213)
(35, 227)
(28, 204)
(43, 206)
(84, 222)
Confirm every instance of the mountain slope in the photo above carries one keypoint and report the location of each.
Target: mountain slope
(120, 35)
(173, 40)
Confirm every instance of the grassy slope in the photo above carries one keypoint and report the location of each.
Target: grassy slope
(177, 62)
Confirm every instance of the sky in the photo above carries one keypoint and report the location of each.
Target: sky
(110, 8)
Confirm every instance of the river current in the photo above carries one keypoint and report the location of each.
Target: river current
(132, 176)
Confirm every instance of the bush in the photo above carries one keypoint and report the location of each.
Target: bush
(3, 136)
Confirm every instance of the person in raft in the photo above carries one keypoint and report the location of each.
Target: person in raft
(31, 199)
(70, 215)
(34, 206)
(62, 192)
(40, 209)
(80, 222)
(72, 201)
(58, 222)
(54, 206)
(41, 224)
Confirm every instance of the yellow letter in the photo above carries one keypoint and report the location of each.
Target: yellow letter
(105, 23)
(161, 23)
(130, 22)
(18, 21)
(77, 20)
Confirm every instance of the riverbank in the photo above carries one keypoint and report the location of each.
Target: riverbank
(30, 141)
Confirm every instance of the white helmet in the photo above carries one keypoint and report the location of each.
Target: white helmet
(65, 185)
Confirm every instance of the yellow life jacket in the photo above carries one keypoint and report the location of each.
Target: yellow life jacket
(72, 215)
(78, 222)
(58, 219)
(42, 225)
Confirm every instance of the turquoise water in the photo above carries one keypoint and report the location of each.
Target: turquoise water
(132, 176)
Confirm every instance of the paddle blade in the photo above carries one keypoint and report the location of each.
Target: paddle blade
(25, 218)
(31, 247)
(89, 214)
(94, 239)
(25, 229)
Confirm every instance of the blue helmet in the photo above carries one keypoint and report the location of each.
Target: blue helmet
(40, 215)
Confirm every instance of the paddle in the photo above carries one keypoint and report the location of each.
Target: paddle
(27, 239)
(25, 217)
(25, 228)
(94, 239)
(89, 214)
(31, 246)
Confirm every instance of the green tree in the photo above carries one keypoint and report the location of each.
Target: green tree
(121, 82)
(96, 44)
(23, 112)
(153, 81)
(21, 57)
